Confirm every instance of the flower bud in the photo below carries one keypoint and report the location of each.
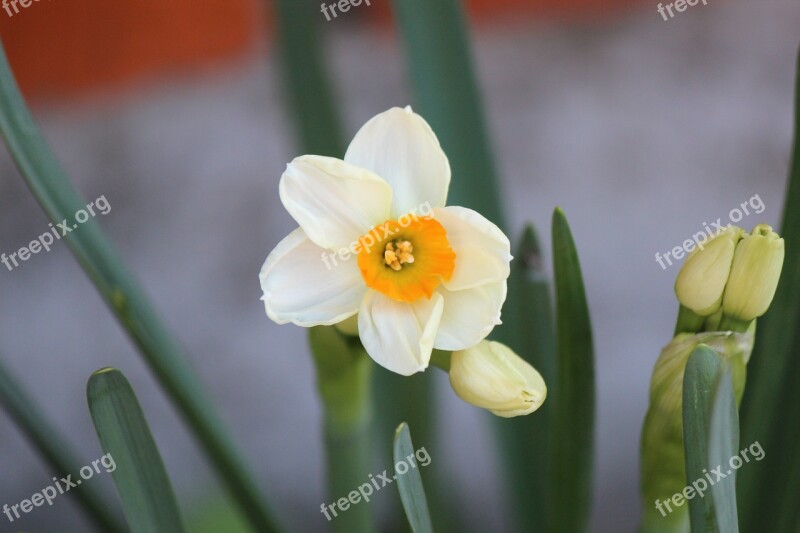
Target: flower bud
(701, 282)
(754, 276)
(491, 376)
(662, 456)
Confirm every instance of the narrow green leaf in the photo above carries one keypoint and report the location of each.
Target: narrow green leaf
(528, 328)
(60, 201)
(703, 370)
(343, 379)
(140, 478)
(446, 94)
(53, 446)
(411, 398)
(723, 445)
(768, 494)
(412, 493)
(436, 39)
(573, 406)
(306, 82)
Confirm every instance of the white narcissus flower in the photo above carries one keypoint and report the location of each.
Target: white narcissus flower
(491, 376)
(376, 240)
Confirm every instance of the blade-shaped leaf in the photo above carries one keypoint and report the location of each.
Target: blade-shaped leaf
(723, 445)
(573, 405)
(447, 96)
(140, 478)
(306, 83)
(412, 493)
(528, 328)
(703, 370)
(767, 494)
(435, 37)
(52, 446)
(59, 199)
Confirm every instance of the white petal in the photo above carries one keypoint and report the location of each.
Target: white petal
(333, 201)
(399, 335)
(302, 284)
(469, 315)
(483, 252)
(399, 146)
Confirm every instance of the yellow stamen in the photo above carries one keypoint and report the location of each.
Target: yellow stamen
(395, 259)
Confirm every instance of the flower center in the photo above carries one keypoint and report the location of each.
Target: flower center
(397, 254)
(406, 259)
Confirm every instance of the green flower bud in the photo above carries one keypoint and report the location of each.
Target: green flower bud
(663, 467)
(754, 275)
(701, 282)
(491, 376)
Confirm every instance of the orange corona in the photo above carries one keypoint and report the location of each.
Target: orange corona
(410, 261)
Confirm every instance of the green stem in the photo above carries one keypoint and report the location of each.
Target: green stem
(688, 321)
(343, 379)
(441, 359)
(729, 323)
(52, 446)
(59, 199)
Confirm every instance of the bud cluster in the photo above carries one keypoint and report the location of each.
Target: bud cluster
(736, 273)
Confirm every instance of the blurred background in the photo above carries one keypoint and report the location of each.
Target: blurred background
(641, 129)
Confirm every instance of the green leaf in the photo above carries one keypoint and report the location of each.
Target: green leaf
(53, 446)
(410, 398)
(573, 405)
(306, 83)
(723, 444)
(343, 379)
(435, 36)
(140, 478)
(703, 370)
(412, 493)
(59, 199)
(528, 328)
(768, 494)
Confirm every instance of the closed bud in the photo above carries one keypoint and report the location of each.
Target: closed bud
(701, 282)
(491, 376)
(754, 275)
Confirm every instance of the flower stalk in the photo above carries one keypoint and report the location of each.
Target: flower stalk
(344, 372)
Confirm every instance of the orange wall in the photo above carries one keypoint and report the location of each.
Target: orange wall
(59, 47)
